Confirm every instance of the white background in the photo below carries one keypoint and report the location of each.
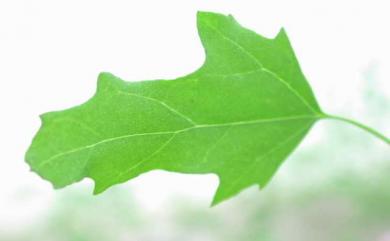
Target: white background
(52, 51)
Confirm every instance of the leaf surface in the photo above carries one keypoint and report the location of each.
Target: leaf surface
(238, 116)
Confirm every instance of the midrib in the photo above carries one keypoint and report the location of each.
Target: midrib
(238, 123)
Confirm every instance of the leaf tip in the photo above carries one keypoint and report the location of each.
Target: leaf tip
(216, 200)
(98, 187)
(203, 14)
(223, 192)
(281, 34)
(107, 81)
(212, 17)
(44, 117)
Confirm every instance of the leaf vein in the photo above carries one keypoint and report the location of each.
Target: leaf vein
(262, 157)
(261, 66)
(258, 121)
(170, 108)
(120, 175)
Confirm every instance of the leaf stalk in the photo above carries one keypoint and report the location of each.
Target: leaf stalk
(361, 126)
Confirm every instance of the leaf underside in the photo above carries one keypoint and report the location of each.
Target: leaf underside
(238, 116)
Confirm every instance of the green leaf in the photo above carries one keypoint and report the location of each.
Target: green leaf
(238, 116)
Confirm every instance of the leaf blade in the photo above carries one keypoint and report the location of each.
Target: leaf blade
(232, 117)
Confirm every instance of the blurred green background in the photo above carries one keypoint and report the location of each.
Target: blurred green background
(334, 187)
